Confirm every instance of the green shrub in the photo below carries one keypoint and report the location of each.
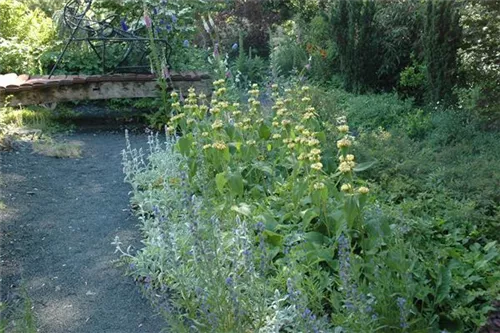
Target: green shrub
(24, 36)
(287, 55)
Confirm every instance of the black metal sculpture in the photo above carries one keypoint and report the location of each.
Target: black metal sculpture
(99, 34)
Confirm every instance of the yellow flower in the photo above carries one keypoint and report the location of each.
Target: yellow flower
(346, 188)
(343, 128)
(176, 117)
(191, 90)
(203, 108)
(306, 99)
(202, 96)
(170, 129)
(176, 105)
(363, 190)
(305, 88)
(174, 94)
(204, 134)
(247, 121)
(302, 156)
(190, 121)
(223, 104)
(312, 142)
(285, 122)
(255, 103)
(288, 100)
(205, 147)
(220, 92)
(310, 109)
(319, 186)
(236, 113)
(316, 151)
(219, 145)
(254, 92)
(288, 90)
(291, 145)
(345, 167)
(215, 110)
(349, 157)
(299, 128)
(279, 103)
(274, 86)
(217, 124)
(281, 112)
(317, 166)
(246, 127)
(308, 115)
(251, 142)
(255, 86)
(219, 82)
(236, 105)
(306, 132)
(275, 124)
(314, 158)
(276, 136)
(344, 143)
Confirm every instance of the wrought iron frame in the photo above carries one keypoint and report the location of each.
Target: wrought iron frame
(105, 33)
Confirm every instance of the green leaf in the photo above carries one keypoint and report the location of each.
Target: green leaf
(236, 183)
(444, 284)
(315, 237)
(221, 181)
(308, 215)
(264, 132)
(184, 145)
(273, 238)
(243, 209)
(363, 166)
(264, 167)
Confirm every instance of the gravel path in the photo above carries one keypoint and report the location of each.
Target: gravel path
(62, 216)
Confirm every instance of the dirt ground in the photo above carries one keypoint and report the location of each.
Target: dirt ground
(57, 226)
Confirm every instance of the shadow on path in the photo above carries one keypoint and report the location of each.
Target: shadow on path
(62, 216)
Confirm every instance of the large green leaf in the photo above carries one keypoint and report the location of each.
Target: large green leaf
(273, 238)
(264, 131)
(243, 209)
(220, 181)
(444, 284)
(363, 166)
(184, 144)
(308, 215)
(236, 184)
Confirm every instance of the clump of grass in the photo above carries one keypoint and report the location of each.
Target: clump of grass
(18, 318)
(65, 149)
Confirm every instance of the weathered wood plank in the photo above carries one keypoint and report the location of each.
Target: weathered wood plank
(95, 91)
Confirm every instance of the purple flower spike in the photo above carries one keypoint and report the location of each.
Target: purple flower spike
(174, 19)
(216, 50)
(147, 20)
(229, 281)
(169, 28)
(166, 72)
(235, 46)
(124, 25)
(155, 11)
(186, 43)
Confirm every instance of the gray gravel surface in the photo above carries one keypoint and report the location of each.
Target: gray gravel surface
(62, 216)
